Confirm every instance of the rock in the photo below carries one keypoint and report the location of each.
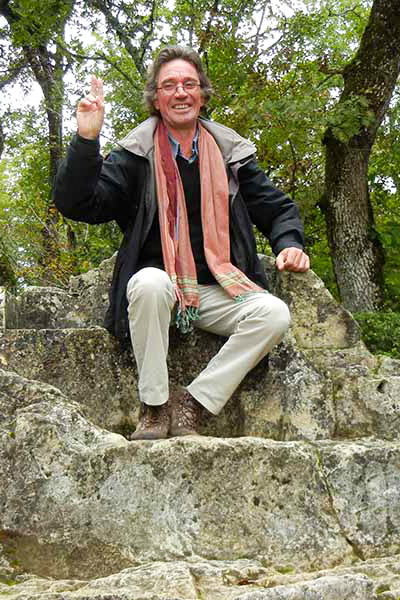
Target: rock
(92, 289)
(87, 365)
(216, 580)
(82, 502)
(325, 588)
(40, 308)
(289, 395)
(82, 304)
(331, 387)
(287, 398)
(365, 493)
(318, 321)
(310, 513)
(183, 581)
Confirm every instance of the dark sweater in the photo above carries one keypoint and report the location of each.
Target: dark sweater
(151, 252)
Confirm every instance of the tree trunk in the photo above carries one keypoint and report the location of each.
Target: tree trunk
(48, 70)
(356, 250)
(2, 136)
(45, 57)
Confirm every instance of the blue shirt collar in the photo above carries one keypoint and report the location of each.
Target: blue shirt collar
(176, 148)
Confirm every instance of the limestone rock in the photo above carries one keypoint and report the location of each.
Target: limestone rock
(39, 308)
(82, 502)
(79, 501)
(82, 304)
(329, 387)
(290, 395)
(217, 580)
(183, 581)
(312, 513)
(87, 365)
(318, 320)
(91, 290)
(364, 488)
(286, 397)
(326, 588)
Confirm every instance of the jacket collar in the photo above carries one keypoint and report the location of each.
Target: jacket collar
(234, 147)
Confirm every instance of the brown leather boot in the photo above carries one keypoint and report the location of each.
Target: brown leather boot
(185, 416)
(153, 423)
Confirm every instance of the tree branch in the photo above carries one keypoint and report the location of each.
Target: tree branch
(123, 32)
(2, 137)
(145, 43)
(207, 32)
(12, 74)
(102, 57)
(258, 32)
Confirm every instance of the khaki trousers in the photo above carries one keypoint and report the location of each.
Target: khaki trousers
(254, 327)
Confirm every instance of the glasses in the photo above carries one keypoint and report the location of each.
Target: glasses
(170, 88)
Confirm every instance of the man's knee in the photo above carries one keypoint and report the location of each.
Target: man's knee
(276, 315)
(149, 282)
(281, 316)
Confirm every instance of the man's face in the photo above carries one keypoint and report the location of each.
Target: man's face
(179, 109)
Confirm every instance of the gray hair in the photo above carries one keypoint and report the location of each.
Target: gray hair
(164, 56)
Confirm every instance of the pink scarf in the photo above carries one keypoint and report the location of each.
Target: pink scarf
(174, 227)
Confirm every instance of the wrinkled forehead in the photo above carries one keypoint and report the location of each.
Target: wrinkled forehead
(177, 70)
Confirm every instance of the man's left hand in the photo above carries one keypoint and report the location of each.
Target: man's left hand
(292, 259)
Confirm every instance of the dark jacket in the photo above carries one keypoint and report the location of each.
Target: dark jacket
(122, 188)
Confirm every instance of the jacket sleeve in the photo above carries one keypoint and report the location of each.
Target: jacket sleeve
(271, 210)
(88, 188)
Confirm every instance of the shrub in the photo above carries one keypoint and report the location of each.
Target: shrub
(381, 332)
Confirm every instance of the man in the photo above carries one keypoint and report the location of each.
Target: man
(185, 192)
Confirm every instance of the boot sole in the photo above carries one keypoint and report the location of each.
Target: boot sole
(182, 432)
(147, 436)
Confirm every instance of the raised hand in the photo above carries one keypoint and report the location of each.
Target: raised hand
(90, 111)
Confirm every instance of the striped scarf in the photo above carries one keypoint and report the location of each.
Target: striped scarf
(174, 227)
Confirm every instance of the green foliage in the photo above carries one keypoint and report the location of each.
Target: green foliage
(348, 117)
(36, 23)
(384, 184)
(381, 332)
(7, 275)
(24, 217)
(277, 78)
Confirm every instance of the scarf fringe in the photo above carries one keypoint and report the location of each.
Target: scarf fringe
(184, 318)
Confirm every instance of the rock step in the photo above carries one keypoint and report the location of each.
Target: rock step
(81, 304)
(195, 518)
(318, 321)
(292, 394)
(230, 580)
(82, 502)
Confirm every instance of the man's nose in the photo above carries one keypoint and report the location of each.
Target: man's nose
(179, 90)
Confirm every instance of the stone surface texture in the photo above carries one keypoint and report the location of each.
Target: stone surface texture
(293, 494)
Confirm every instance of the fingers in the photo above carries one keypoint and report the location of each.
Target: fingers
(95, 99)
(90, 111)
(293, 259)
(96, 88)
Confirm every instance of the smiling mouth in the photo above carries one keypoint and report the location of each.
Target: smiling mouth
(181, 106)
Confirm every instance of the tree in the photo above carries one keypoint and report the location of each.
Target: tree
(133, 23)
(34, 30)
(369, 80)
(282, 93)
